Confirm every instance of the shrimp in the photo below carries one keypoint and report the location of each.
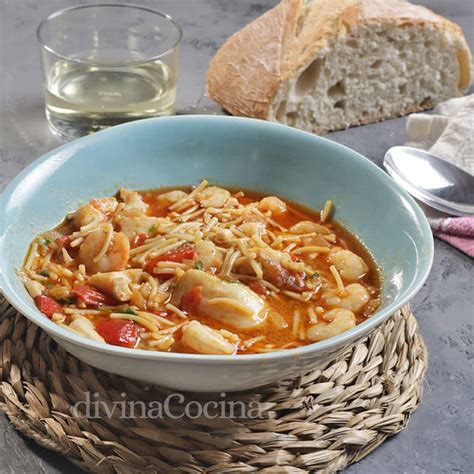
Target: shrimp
(354, 299)
(106, 205)
(134, 225)
(205, 340)
(115, 257)
(96, 211)
(350, 266)
(273, 204)
(213, 196)
(340, 320)
(253, 229)
(307, 227)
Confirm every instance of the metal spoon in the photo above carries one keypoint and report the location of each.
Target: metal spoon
(430, 179)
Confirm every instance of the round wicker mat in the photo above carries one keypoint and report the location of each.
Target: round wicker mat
(322, 421)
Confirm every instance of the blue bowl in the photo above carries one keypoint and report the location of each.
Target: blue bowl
(231, 151)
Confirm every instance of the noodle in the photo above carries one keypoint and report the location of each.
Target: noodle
(189, 196)
(176, 310)
(313, 318)
(105, 246)
(326, 210)
(140, 320)
(31, 256)
(296, 322)
(311, 248)
(337, 277)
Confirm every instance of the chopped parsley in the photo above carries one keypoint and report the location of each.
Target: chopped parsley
(44, 273)
(198, 265)
(315, 275)
(152, 229)
(45, 242)
(67, 300)
(126, 311)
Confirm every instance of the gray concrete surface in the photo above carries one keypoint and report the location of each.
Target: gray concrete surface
(440, 435)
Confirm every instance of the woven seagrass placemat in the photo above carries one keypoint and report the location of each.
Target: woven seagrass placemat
(322, 421)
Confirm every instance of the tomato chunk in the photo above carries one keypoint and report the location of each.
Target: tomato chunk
(48, 305)
(191, 300)
(91, 297)
(139, 239)
(119, 332)
(185, 252)
(259, 288)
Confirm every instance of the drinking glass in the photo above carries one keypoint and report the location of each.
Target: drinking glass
(107, 64)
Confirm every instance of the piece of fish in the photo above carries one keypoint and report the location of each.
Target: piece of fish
(232, 303)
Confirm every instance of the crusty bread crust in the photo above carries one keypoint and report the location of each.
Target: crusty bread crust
(245, 74)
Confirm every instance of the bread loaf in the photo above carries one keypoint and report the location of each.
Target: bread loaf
(323, 65)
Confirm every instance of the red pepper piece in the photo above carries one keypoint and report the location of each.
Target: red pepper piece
(48, 305)
(185, 252)
(139, 239)
(91, 297)
(119, 332)
(191, 300)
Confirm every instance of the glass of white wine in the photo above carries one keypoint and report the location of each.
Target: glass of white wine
(107, 64)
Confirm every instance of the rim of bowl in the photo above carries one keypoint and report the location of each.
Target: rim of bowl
(54, 330)
(43, 44)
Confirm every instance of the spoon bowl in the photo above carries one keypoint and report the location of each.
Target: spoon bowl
(432, 180)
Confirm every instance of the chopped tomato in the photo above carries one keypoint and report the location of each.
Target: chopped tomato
(62, 241)
(139, 239)
(185, 252)
(91, 297)
(191, 300)
(259, 288)
(48, 305)
(119, 332)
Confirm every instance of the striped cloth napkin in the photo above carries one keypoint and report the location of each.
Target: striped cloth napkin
(448, 133)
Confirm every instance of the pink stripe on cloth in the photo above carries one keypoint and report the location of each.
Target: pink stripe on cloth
(456, 231)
